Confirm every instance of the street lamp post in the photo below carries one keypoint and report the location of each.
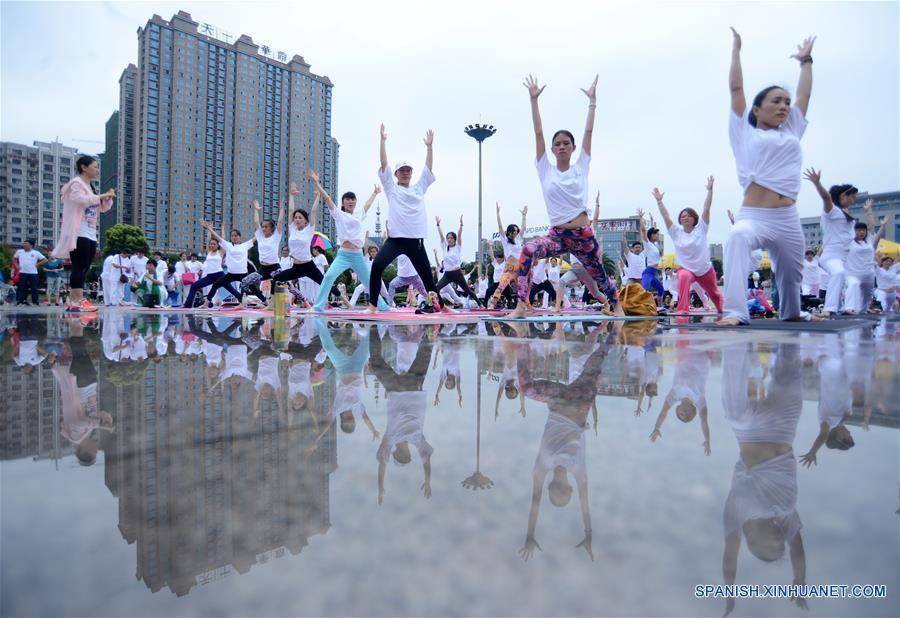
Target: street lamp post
(479, 132)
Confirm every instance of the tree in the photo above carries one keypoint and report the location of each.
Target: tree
(717, 265)
(6, 258)
(122, 236)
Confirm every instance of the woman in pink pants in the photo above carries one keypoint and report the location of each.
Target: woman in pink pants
(692, 250)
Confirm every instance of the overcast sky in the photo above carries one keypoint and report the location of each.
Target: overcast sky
(662, 92)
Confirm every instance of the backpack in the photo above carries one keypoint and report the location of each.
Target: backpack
(637, 301)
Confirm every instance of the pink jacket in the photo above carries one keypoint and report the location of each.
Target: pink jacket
(77, 196)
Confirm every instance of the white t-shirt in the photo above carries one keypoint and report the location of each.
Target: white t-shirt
(887, 278)
(194, 266)
(299, 242)
(767, 490)
(406, 205)
(452, 256)
(212, 264)
(267, 373)
(28, 353)
(553, 273)
(565, 193)
(811, 272)
(139, 265)
(691, 250)
(321, 262)
(861, 258)
(268, 246)
(350, 225)
(539, 272)
(482, 287)
(28, 261)
(498, 270)
(88, 227)
(635, 265)
(837, 232)
(108, 271)
(512, 250)
(236, 256)
(285, 262)
(651, 252)
(405, 267)
(772, 158)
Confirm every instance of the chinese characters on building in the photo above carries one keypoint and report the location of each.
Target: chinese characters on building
(227, 37)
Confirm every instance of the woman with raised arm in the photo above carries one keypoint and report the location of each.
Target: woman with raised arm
(236, 261)
(348, 220)
(451, 245)
(689, 235)
(300, 234)
(212, 272)
(650, 277)
(511, 241)
(861, 263)
(406, 212)
(268, 240)
(564, 186)
(765, 139)
(837, 234)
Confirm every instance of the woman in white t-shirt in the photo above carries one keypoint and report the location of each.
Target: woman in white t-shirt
(406, 212)
(300, 235)
(861, 265)
(887, 278)
(565, 187)
(689, 235)
(348, 220)
(453, 261)
(765, 139)
(236, 260)
(650, 277)
(268, 241)
(511, 241)
(837, 234)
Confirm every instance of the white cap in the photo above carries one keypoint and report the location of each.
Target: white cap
(402, 164)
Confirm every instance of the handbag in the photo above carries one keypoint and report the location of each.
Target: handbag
(122, 277)
(188, 278)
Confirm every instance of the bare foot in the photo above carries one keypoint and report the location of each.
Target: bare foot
(519, 312)
(619, 311)
(372, 309)
(729, 322)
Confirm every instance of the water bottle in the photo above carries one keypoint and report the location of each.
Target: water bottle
(281, 300)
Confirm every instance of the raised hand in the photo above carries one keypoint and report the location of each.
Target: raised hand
(591, 91)
(460, 219)
(437, 220)
(813, 176)
(586, 544)
(804, 49)
(809, 459)
(640, 213)
(377, 190)
(383, 133)
(709, 183)
(884, 219)
(527, 550)
(426, 489)
(658, 195)
(429, 138)
(736, 39)
(532, 84)
(655, 435)
(256, 205)
(524, 210)
(598, 198)
(731, 216)
(868, 204)
(313, 176)
(498, 208)
(294, 190)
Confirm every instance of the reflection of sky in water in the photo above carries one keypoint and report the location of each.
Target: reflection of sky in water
(196, 485)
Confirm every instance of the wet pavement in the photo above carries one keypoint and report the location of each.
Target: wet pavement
(166, 464)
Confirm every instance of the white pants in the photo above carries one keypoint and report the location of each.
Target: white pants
(833, 264)
(860, 288)
(362, 288)
(448, 293)
(779, 231)
(887, 299)
(113, 290)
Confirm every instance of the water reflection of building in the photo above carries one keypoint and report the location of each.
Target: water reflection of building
(206, 488)
(30, 414)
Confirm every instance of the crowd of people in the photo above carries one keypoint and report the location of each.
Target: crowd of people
(846, 274)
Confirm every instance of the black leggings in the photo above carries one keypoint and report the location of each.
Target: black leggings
(412, 380)
(456, 276)
(298, 271)
(266, 270)
(414, 249)
(229, 278)
(543, 286)
(202, 282)
(81, 256)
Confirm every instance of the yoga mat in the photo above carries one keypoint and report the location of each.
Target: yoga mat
(584, 317)
(827, 326)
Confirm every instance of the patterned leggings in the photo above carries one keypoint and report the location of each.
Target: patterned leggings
(581, 243)
(510, 274)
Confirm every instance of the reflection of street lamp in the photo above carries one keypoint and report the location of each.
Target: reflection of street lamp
(478, 480)
(479, 132)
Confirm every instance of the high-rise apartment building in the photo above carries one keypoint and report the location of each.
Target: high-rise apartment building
(216, 125)
(30, 181)
(109, 174)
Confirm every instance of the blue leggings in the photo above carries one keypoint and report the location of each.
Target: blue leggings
(346, 259)
(650, 281)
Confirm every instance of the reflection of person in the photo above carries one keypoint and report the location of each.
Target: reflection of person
(406, 405)
(761, 506)
(77, 384)
(688, 392)
(562, 449)
(835, 402)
